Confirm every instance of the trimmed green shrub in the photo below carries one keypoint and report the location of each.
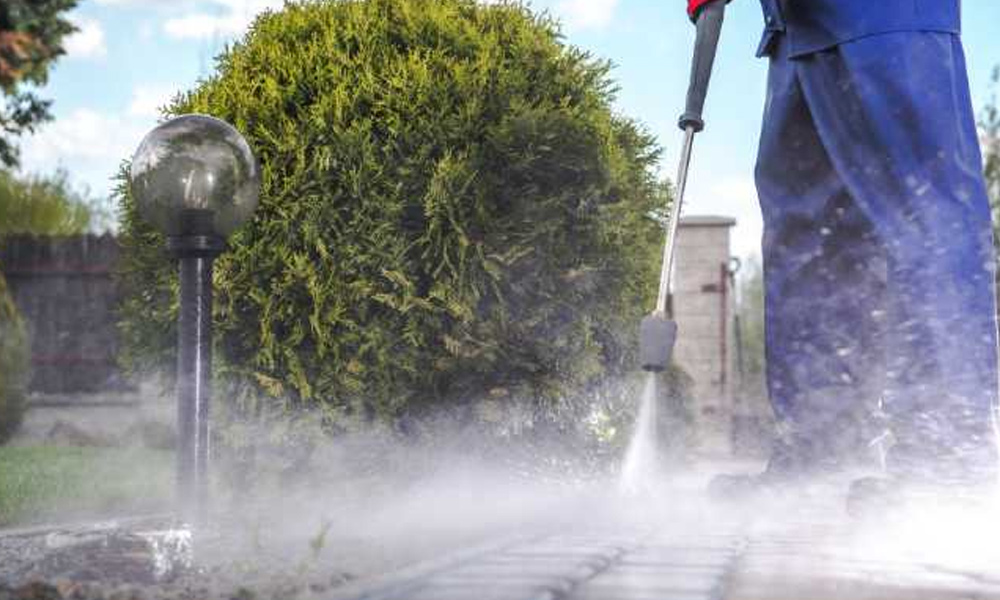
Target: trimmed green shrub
(13, 364)
(989, 125)
(989, 128)
(46, 205)
(451, 210)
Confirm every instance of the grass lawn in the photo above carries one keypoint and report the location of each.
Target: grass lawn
(39, 483)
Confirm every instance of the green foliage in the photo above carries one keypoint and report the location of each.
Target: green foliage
(450, 208)
(751, 314)
(13, 364)
(31, 36)
(615, 414)
(44, 206)
(990, 126)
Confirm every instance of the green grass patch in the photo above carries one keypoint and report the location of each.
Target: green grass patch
(55, 483)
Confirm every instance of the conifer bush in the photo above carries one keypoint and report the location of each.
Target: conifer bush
(451, 210)
(13, 364)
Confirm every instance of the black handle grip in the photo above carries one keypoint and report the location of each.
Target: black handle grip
(709, 28)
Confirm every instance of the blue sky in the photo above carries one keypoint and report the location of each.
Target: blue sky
(132, 55)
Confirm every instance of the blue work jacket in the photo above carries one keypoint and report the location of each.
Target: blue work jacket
(813, 25)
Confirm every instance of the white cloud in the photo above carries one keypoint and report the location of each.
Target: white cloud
(83, 134)
(146, 31)
(233, 19)
(587, 14)
(148, 99)
(94, 143)
(163, 3)
(199, 25)
(732, 197)
(87, 41)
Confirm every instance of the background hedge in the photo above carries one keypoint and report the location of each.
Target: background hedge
(14, 355)
(451, 210)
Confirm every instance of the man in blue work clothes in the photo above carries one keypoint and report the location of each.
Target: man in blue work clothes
(878, 256)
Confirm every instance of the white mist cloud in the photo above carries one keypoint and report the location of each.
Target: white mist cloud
(587, 14)
(83, 134)
(234, 17)
(88, 41)
(148, 3)
(148, 99)
(200, 25)
(731, 197)
(93, 143)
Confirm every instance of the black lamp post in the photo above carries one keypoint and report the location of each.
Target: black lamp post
(195, 179)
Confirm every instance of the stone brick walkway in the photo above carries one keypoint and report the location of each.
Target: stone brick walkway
(672, 545)
(797, 556)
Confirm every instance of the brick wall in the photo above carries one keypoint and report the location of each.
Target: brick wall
(64, 287)
(704, 305)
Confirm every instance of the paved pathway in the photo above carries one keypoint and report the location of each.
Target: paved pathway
(700, 554)
(671, 545)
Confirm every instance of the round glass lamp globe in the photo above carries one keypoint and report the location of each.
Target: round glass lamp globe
(195, 164)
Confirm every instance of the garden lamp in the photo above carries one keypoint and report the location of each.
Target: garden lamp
(194, 179)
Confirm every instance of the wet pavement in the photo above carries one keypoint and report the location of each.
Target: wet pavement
(572, 566)
(788, 550)
(730, 567)
(671, 545)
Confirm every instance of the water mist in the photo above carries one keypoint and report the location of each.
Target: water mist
(641, 466)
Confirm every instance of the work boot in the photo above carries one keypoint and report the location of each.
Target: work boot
(790, 465)
(927, 475)
(799, 460)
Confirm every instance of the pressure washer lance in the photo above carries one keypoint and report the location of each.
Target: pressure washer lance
(658, 334)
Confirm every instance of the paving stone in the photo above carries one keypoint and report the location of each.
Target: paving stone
(554, 562)
(574, 557)
(801, 561)
(575, 571)
(636, 577)
(613, 583)
(546, 582)
(668, 570)
(652, 586)
(678, 560)
(622, 594)
(498, 591)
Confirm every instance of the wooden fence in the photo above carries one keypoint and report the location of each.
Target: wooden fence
(66, 291)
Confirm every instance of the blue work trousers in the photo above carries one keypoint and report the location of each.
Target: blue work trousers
(878, 255)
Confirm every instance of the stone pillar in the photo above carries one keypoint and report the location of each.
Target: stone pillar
(704, 304)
